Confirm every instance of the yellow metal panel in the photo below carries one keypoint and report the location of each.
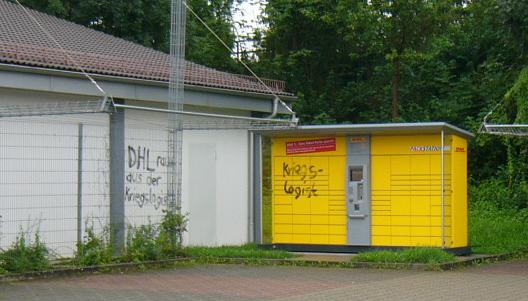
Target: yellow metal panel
(282, 209)
(313, 185)
(302, 207)
(420, 231)
(421, 241)
(406, 189)
(337, 219)
(337, 239)
(300, 239)
(420, 206)
(337, 230)
(401, 241)
(381, 230)
(321, 219)
(381, 241)
(282, 238)
(401, 205)
(319, 229)
(420, 220)
(283, 228)
(319, 239)
(301, 229)
(397, 220)
(300, 219)
(401, 230)
(380, 220)
(380, 166)
(403, 145)
(459, 210)
(283, 219)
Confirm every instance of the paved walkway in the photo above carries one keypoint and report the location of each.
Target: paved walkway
(504, 281)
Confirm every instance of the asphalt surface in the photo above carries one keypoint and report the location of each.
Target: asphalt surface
(499, 281)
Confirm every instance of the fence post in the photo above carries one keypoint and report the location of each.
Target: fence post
(79, 183)
(117, 180)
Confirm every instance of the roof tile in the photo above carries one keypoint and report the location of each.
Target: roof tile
(24, 43)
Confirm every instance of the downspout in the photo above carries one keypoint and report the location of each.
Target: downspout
(275, 108)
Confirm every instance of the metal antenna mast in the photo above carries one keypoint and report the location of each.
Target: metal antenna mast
(175, 121)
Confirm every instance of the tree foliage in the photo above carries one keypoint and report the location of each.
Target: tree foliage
(418, 60)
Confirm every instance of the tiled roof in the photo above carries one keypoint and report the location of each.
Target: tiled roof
(22, 42)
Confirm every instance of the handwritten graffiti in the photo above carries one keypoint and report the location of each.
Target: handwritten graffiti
(157, 200)
(302, 170)
(298, 191)
(143, 180)
(306, 175)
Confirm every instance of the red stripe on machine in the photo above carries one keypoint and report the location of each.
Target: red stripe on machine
(311, 146)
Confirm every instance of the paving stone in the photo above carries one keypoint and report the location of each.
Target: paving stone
(506, 281)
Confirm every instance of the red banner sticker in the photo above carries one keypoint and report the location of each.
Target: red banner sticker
(311, 146)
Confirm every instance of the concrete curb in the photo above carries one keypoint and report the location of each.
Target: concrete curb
(70, 271)
(124, 267)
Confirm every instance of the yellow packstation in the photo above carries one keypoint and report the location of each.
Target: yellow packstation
(352, 187)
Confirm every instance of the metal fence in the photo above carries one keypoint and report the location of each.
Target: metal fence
(71, 167)
(56, 178)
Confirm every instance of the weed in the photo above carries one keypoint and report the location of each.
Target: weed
(414, 255)
(25, 256)
(94, 249)
(170, 233)
(142, 244)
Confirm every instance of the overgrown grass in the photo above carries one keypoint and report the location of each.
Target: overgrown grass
(25, 256)
(245, 251)
(493, 230)
(414, 255)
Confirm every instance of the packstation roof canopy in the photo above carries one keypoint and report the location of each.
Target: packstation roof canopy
(418, 128)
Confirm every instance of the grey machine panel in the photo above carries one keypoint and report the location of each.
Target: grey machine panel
(358, 190)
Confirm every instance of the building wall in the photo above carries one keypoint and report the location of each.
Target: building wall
(39, 184)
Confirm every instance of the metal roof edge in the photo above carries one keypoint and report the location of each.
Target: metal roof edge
(139, 81)
(375, 127)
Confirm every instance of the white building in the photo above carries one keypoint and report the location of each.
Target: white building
(40, 173)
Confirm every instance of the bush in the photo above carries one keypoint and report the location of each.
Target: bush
(170, 234)
(497, 193)
(141, 244)
(94, 250)
(148, 242)
(414, 255)
(24, 256)
(493, 230)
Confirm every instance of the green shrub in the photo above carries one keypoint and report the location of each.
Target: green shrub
(413, 255)
(94, 249)
(498, 193)
(142, 244)
(493, 230)
(171, 229)
(24, 256)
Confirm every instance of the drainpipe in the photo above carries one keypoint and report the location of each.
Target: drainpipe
(275, 108)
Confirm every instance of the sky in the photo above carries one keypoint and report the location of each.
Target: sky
(247, 16)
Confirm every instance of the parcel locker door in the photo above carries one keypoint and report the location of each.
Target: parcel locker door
(358, 191)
